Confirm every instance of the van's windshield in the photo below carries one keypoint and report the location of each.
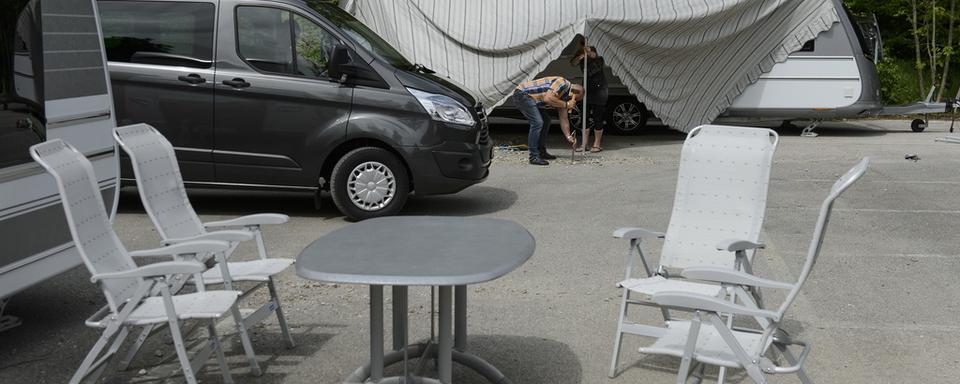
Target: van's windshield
(360, 33)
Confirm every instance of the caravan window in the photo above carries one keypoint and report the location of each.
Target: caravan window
(21, 81)
(161, 33)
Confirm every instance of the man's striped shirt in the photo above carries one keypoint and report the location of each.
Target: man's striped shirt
(538, 88)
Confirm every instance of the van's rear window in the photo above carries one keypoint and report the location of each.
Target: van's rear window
(161, 33)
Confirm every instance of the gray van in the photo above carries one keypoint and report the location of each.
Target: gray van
(293, 95)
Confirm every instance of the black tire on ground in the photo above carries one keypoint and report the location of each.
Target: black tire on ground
(918, 125)
(382, 171)
(626, 115)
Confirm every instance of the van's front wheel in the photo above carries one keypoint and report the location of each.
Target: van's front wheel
(369, 182)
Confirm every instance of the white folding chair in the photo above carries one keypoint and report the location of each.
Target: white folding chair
(721, 194)
(128, 287)
(164, 197)
(707, 339)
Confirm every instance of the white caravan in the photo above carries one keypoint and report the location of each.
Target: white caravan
(832, 76)
(53, 84)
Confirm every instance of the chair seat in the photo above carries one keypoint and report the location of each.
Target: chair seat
(255, 270)
(199, 305)
(650, 286)
(711, 348)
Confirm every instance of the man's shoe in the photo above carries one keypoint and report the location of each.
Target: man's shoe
(546, 156)
(539, 161)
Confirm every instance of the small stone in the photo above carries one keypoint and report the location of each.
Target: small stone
(142, 372)
(158, 353)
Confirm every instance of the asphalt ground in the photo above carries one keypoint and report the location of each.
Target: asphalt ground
(880, 307)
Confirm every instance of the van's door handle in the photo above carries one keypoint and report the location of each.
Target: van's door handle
(192, 78)
(237, 83)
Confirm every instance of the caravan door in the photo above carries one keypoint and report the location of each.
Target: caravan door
(53, 85)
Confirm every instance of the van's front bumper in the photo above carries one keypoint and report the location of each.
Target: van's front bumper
(462, 159)
(449, 167)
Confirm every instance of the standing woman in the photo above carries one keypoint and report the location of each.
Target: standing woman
(597, 93)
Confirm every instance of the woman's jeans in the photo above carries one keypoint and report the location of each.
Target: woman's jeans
(539, 123)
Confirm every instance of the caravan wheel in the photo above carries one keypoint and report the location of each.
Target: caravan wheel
(918, 125)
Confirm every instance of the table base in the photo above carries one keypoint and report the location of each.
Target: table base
(446, 351)
(425, 351)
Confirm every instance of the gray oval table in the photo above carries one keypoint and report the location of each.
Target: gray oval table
(447, 252)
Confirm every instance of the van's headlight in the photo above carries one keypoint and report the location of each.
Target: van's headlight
(443, 108)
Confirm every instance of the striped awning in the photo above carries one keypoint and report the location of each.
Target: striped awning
(687, 60)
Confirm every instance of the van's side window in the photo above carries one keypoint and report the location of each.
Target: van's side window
(278, 41)
(161, 33)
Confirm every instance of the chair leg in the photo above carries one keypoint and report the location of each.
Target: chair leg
(215, 344)
(94, 353)
(618, 341)
(114, 347)
(692, 336)
(245, 340)
(750, 364)
(281, 319)
(792, 360)
(181, 350)
(137, 344)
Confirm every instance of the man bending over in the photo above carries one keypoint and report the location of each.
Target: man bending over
(532, 97)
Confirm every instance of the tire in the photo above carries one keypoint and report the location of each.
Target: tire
(626, 116)
(918, 125)
(368, 163)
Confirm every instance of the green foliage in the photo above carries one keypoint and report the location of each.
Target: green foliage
(898, 81)
(898, 72)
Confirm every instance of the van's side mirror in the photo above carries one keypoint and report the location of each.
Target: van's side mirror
(339, 60)
(342, 68)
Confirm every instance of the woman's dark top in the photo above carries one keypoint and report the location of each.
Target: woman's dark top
(597, 92)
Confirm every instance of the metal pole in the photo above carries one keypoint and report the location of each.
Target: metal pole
(376, 333)
(583, 112)
(445, 347)
(399, 317)
(460, 318)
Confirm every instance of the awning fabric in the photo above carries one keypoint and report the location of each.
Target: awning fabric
(685, 59)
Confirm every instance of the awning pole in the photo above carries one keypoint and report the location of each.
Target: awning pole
(583, 113)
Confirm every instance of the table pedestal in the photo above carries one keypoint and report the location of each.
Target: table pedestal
(450, 348)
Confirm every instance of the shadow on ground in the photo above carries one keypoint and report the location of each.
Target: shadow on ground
(652, 135)
(238, 202)
(826, 129)
(273, 357)
(524, 360)
(475, 200)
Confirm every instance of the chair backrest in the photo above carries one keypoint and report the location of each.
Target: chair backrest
(813, 252)
(159, 181)
(90, 227)
(721, 194)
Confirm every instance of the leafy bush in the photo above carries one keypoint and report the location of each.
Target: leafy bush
(898, 81)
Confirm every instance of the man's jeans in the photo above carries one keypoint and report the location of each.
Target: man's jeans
(539, 123)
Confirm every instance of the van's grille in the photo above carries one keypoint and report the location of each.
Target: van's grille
(483, 136)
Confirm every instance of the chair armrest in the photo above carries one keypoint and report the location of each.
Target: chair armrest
(194, 247)
(694, 301)
(734, 245)
(235, 235)
(637, 233)
(152, 270)
(729, 276)
(244, 221)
